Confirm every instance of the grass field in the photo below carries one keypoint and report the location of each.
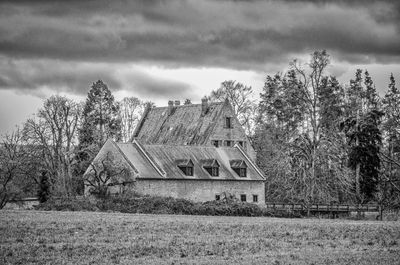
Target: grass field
(33, 237)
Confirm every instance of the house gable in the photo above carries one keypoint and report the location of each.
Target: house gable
(230, 133)
(222, 132)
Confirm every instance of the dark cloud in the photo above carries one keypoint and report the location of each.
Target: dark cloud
(149, 86)
(232, 34)
(32, 76)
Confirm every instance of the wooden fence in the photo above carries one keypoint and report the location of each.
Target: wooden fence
(324, 208)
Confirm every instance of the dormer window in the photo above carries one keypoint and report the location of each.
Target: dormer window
(186, 166)
(240, 167)
(228, 122)
(215, 143)
(211, 166)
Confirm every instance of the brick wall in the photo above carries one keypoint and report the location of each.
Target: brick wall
(201, 190)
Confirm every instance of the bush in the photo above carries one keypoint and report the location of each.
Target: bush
(66, 204)
(161, 205)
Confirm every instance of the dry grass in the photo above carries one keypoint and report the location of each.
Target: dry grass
(33, 237)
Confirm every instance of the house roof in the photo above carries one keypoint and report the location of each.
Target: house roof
(237, 163)
(185, 125)
(160, 161)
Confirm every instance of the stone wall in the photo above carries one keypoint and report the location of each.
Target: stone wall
(236, 133)
(201, 190)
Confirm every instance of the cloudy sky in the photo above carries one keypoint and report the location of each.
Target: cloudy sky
(175, 49)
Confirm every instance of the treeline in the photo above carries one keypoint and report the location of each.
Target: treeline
(317, 141)
(48, 154)
(321, 142)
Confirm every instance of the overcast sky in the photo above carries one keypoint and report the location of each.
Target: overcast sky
(174, 49)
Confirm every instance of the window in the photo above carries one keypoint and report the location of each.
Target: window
(255, 198)
(240, 167)
(240, 143)
(188, 171)
(213, 171)
(186, 166)
(217, 197)
(228, 122)
(228, 143)
(215, 143)
(211, 166)
(242, 172)
(243, 197)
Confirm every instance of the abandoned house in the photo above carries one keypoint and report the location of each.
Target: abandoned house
(196, 151)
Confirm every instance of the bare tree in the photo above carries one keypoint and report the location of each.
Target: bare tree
(131, 110)
(105, 172)
(299, 114)
(12, 159)
(54, 134)
(240, 96)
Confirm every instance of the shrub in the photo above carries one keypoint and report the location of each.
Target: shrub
(161, 205)
(66, 204)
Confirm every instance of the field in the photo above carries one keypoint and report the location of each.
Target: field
(34, 237)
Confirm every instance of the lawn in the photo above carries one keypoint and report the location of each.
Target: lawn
(34, 237)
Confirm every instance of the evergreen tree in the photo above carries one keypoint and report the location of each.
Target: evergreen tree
(44, 188)
(100, 121)
(390, 181)
(362, 129)
(100, 117)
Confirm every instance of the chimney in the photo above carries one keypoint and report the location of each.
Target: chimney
(177, 103)
(170, 106)
(204, 106)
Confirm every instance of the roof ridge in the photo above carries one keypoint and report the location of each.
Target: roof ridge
(125, 157)
(149, 158)
(250, 161)
(191, 105)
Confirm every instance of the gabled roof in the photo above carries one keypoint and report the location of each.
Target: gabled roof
(237, 163)
(185, 125)
(210, 163)
(160, 161)
(184, 162)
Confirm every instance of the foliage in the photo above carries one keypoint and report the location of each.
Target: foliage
(161, 205)
(389, 184)
(13, 156)
(363, 132)
(100, 117)
(44, 188)
(297, 138)
(104, 172)
(100, 121)
(66, 204)
(365, 137)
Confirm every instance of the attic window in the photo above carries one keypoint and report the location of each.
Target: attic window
(240, 167)
(215, 143)
(186, 166)
(228, 122)
(211, 166)
(228, 143)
